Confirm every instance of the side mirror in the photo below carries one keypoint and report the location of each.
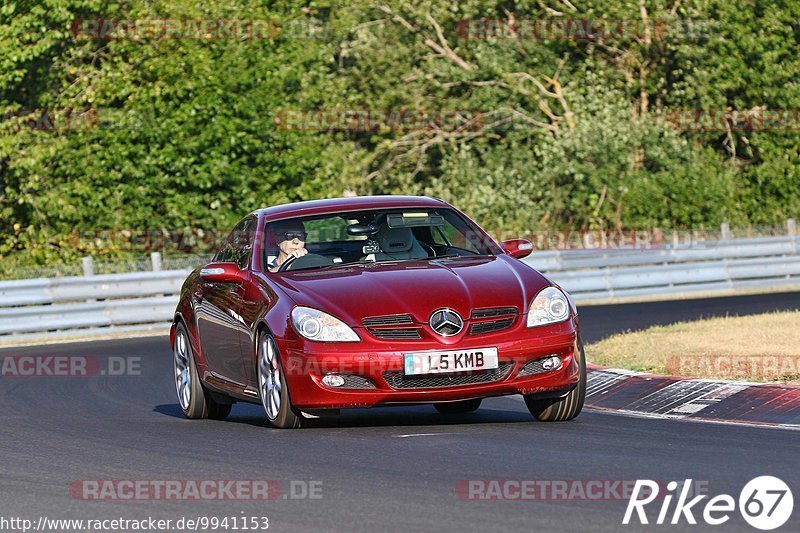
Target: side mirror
(221, 273)
(518, 248)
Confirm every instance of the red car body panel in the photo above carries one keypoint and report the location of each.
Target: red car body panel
(223, 320)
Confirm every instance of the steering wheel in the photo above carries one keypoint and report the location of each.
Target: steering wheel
(306, 261)
(428, 248)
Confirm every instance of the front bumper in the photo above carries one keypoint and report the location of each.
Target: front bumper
(380, 365)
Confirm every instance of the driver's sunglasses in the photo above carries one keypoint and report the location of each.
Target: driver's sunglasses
(291, 235)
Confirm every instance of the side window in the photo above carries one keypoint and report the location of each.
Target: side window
(225, 253)
(239, 244)
(242, 242)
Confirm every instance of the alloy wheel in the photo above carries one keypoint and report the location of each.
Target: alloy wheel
(269, 377)
(183, 371)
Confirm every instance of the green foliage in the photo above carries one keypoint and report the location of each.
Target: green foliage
(572, 134)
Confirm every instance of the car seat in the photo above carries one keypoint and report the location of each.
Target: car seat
(398, 244)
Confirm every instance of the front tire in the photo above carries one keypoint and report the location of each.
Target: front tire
(561, 409)
(272, 387)
(194, 400)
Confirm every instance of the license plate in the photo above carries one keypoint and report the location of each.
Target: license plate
(450, 361)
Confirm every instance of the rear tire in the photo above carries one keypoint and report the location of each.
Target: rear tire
(272, 387)
(194, 400)
(216, 410)
(461, 407)
(561, 409)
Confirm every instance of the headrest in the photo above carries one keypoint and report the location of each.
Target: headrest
(395, 239)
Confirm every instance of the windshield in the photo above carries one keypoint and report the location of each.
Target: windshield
(373, 236)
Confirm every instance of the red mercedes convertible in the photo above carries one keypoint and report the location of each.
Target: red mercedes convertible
(313, 307)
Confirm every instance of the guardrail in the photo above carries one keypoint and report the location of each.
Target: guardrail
(45, 306)
(712, 266)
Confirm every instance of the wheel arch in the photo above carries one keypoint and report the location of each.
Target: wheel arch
(274, 321)
(194, 338)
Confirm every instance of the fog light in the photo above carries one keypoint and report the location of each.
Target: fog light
(551, 363)
(333, 380)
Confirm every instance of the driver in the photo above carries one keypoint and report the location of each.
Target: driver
(290, 238)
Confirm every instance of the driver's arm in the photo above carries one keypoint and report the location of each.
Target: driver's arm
(275, 266)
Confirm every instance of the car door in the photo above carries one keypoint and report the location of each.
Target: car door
(219, 319)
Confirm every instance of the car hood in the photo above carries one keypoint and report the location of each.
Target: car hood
(353, 292)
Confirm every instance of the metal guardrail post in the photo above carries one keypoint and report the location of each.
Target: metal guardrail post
(88, 266)
(155, 258)
(725, 229)
(88, 270)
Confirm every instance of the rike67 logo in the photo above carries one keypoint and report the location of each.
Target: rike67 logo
(765, 503)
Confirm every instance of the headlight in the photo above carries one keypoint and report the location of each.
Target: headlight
(318, 326)
(549, 307)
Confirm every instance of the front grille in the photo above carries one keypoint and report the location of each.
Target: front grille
(533, 367)
(488, 320)
(356, 382)
(381, 327)
(491, 312)
(479, 328)
(388, 320)
(396, 334)
(508, 316)
(398, 380)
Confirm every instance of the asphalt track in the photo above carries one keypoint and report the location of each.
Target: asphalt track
(388, 469)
